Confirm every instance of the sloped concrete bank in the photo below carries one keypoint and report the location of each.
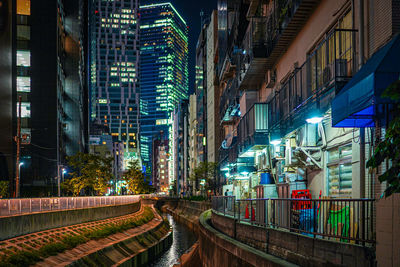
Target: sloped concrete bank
(136, 251)
(136, 246)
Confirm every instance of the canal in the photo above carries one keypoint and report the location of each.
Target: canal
(183, 239)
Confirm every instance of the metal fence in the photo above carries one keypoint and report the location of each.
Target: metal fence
(224, 204)
(343, 220)
(28, 205)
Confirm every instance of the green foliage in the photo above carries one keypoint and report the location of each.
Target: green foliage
(195, 198)
(388, 149)
(30, 257)
(91, 172)
(207, 171)
(4, 190)
(136, 181)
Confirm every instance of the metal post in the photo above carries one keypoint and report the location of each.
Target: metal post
(18, 141)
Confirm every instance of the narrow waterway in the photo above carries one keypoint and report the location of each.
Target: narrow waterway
(183, 239)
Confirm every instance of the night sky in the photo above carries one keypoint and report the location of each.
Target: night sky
(190, 11)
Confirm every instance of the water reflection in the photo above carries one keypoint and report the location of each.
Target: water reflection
(182, 240)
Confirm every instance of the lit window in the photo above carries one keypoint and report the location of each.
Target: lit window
(24, 7)
(23, 84)
(23, 58)
(25, 110)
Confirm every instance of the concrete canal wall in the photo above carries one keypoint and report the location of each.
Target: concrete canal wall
(17, 225)
(218, 249)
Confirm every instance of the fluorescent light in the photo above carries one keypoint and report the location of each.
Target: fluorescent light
(314, 120)
(244, 173)
(275, 142)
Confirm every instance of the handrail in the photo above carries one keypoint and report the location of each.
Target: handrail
(10, 207)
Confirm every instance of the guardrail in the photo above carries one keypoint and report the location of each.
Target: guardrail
(343, 220)
(28, 205)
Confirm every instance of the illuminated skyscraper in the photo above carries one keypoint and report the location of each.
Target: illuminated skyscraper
(114, 54)
(163, 71)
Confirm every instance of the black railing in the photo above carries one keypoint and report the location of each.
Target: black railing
(343, 220)
(331, 65)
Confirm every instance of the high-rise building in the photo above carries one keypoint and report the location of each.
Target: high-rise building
(163, 71)
(113, 82)
(181, 148)
(42, 46)
(160, 155)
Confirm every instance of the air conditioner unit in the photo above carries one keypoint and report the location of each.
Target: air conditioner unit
(307, 135)
(341, 67)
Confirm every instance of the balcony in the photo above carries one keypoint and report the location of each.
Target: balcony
(229, 103)
(253, 129)
(313, 85)
(267, 38)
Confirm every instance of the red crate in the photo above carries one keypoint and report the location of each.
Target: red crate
(301, 194)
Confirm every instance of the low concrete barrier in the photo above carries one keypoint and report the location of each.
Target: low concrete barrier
(296, 248)
(29, 223)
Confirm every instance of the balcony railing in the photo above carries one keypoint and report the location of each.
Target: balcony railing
(342, 220)
(329, 67)
(229, 102)
(253, 128)
(267, 38)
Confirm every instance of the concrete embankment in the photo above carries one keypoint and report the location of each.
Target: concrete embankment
(134, 247)
(187, 212)
(218, 249)
(29, 223)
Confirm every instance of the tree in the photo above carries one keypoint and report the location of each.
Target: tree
(4, 189)
(136, 181)
(388, 149)
(90, 172)
(207, 171)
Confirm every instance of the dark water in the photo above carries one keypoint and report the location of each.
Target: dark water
(183, 239)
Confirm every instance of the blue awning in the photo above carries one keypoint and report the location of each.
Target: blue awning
(355, 105)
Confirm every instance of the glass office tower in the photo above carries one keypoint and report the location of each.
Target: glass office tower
(114, 55)
(163, 71)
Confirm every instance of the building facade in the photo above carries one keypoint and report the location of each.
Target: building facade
(45, 46)
(160, 155)
(279, 75)
(114, 71)
(181, 148)
(163, 71)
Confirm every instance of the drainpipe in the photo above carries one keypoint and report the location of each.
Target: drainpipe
(362, 130)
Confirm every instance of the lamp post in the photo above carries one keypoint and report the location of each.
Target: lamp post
(64, 171)
(19, 177)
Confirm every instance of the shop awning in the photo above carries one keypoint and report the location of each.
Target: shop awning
(355, 105)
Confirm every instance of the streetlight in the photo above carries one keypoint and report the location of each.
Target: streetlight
(19, 171)
(64, 171)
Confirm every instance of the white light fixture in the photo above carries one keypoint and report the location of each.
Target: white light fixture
(314, 120)
(244, 173)
(275, 142)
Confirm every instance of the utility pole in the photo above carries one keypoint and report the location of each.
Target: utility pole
(18, 140)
